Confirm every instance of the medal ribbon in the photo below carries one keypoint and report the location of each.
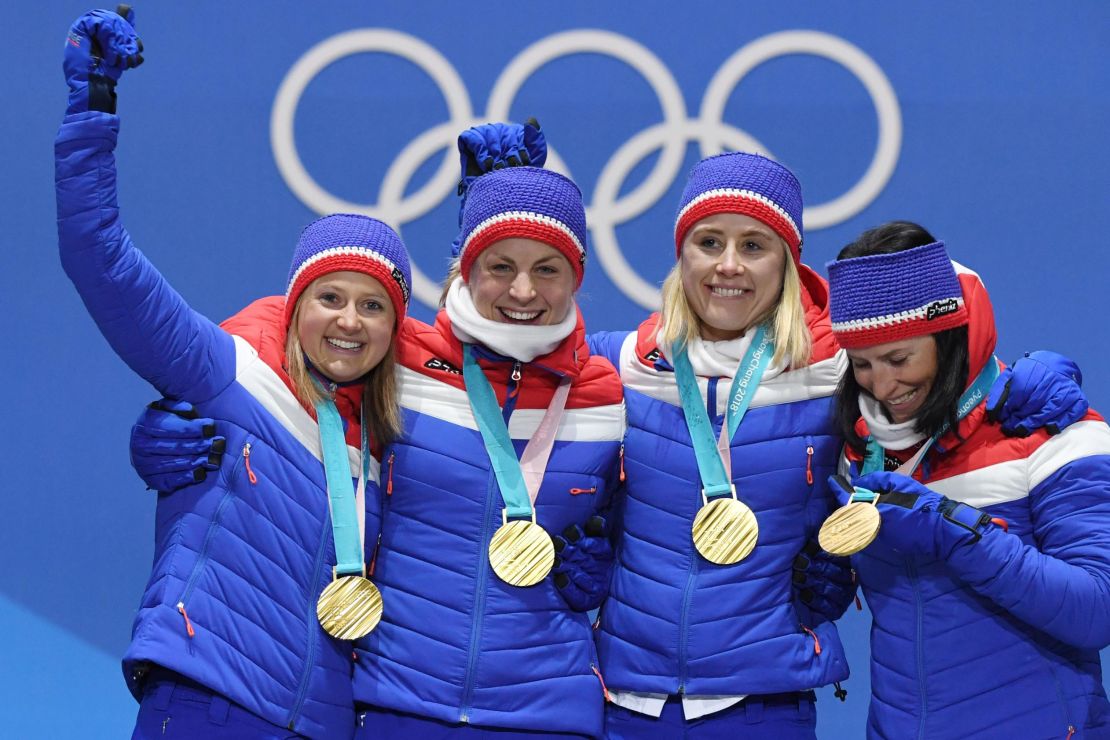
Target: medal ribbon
(714, 458)
(518, 480)
(976, 392)
(346, 524)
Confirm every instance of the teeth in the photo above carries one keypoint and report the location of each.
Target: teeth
(521, 315)
(342, 344)
(727, 292)
(903, 398)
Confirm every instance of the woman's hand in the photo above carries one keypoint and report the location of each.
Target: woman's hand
(583, 563)
(919, 521)
(99, 47)
(172, 447)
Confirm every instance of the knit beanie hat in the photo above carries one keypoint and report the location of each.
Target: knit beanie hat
(888, 297)
(749, 184)
(525, 203)
(346, 241)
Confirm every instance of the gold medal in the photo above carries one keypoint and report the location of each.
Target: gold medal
(725, 531)
(349, 608)
(521, 553)
(850, 528)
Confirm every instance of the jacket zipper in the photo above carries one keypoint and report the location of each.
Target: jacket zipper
(202, 558)
(919, 646)
(512, 390)
(310, 613)
(389, 480)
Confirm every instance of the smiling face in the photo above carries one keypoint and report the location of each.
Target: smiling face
(898, 374)
(345, 323)
(522, 281)
(732, 273)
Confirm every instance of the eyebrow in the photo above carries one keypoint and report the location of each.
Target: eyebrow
(755, 229)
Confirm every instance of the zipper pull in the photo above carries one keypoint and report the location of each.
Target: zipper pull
(578, 491)
(604, 691)
(188, 624)
(247, 462)
(816, 642)
(809, 465)
(389, 480)
(622, 462)
(515, 378)
(1071, 731)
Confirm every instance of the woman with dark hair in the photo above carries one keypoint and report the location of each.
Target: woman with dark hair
(985, 558)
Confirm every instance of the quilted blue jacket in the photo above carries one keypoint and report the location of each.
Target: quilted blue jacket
(1003, 638)
(239, 560)
(456, 643)
(675, 622)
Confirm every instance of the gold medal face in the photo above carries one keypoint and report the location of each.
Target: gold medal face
(725, 531)
(850, 529)
(521, 553)
(349, 608)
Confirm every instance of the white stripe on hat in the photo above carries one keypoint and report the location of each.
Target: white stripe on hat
(737, 193)
(524, 216)
(340, 251)
(890, 319)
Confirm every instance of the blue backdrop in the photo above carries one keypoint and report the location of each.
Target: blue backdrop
(984, 121)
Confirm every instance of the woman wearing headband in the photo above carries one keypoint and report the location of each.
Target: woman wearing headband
(257, 588)
(988, 576)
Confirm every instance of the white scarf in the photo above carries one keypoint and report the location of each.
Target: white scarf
(522, 342)
(717, 359)
(889, 435)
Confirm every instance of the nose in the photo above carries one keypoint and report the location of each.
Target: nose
(522, 289)
(348, 318)
(884, 383)
(729, 262)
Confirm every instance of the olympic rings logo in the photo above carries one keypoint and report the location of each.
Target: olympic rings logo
(607, 208)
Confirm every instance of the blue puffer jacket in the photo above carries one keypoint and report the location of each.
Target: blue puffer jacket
(675, 622)
(239, 560)
(1003, 638)
(456, 643)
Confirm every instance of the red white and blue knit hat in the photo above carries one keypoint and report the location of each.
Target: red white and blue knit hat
(889, 297)
(523, 203)
(349, 242)
(748, 184)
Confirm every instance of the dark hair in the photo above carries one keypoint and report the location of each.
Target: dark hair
(940, 405)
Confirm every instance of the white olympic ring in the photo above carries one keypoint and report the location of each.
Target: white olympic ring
(608, 208)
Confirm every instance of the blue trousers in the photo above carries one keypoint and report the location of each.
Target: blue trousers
(769, 717)
(375, 723)
(175, 707)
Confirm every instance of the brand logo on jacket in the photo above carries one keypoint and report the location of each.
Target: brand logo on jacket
(442, 365)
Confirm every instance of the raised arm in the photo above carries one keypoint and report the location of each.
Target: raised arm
(148, 324)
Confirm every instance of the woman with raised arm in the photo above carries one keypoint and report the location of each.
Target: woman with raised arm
(257, 589)
(987, 557)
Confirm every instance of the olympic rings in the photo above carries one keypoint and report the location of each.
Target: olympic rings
(607, 209)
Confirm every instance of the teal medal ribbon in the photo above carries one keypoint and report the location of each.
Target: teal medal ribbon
(349, 553)
(715, 479)
(521, 553)
(724, 530)
(350, 606)
(495, 435)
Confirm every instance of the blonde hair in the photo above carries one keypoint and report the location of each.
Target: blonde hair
(793, 342)
(381, 411)
(454, 270)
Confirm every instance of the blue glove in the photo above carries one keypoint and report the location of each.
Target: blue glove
(1042, 389)
(825, 583)
(172, 447)
(494, 146)
(917, 521)
(99, 46)
(583, 562)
